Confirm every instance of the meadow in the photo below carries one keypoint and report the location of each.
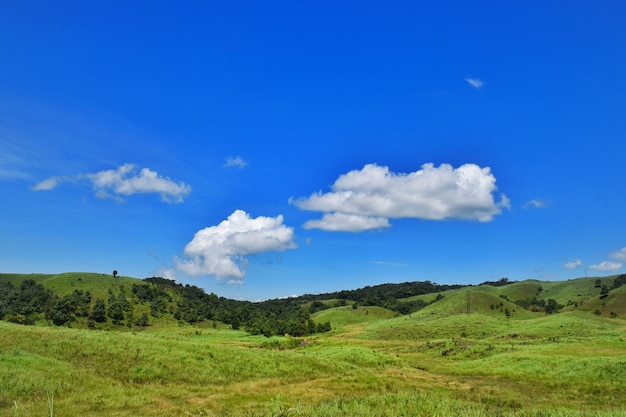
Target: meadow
(438, 361)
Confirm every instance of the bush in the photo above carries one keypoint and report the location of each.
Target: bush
(116, 313)
(60, 313)
(98, 313)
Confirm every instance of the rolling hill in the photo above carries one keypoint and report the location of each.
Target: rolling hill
(349, 353)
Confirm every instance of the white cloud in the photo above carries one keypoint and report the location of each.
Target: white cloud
(220, 250)
(48, 184)
(235, 162)
(619, 255)
(573, 264)
(607, 266)
(366, 199)
(336, 222)
(536, 203)
(475, 82)
(125, 181)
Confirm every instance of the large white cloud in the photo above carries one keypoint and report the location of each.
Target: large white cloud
(367, 198)
(124, 181)
(220, 250)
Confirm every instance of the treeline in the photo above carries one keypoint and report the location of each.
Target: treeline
(31, 302)
(278, 316)
(154, 298)
(390, 296)
(533, 304)
(191, 304)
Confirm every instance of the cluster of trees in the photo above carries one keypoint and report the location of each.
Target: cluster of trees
(273, 317)
(379, 294)
(619, 281)
(499, 283)
(550, 306)
(30, 302)
(191, 304)
(390, 296)
(604, 289)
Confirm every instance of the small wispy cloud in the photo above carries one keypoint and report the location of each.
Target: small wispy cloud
(389, 263)
(573, 264)
(48, 184)
(236, 162)
(123, 181)
(535, 203)
(475, 82)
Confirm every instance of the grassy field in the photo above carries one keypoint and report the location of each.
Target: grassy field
(439, 361)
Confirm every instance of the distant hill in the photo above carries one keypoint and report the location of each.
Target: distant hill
(102, 301)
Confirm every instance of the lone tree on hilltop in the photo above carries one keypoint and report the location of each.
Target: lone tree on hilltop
(114, 274)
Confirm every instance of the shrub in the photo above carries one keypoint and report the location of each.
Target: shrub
(98, 312)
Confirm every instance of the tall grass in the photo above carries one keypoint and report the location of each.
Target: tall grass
(571, 364)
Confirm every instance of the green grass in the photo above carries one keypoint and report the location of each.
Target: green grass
(438, 361)
(341, 317)
(565, 364)
(65, 283)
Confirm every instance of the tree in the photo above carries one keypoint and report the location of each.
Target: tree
(323, 327)
(604, 292)
(114, 274)
(79, 302)
(619, 281)
(60, 313)
(116, 313)
(143, 320)
(98, 312)
(552, 306)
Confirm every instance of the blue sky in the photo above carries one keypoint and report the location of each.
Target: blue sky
(267, 149)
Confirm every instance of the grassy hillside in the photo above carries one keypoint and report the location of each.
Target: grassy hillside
(63, 284)
(565, 364)
(375, 362)
(341, 317)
